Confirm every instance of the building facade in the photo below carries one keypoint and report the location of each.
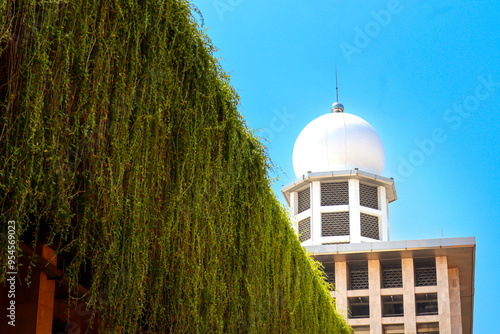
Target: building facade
(341, 204)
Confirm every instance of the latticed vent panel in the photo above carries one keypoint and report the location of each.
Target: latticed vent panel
(335, 224)
(359, 278)
(368, 196)
(369, 226)
(304, 200)
(305, 229)
(425, 276)
(330, 277)
(334, 193)
(392, 278)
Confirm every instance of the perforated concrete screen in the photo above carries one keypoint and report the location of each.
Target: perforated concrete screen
(305, 229)
(330, 277)
(368, 196)
(425, 276)
(334, 224)
(358, 277)
(336, 193)
(304, 200)
(392, 277)
(369, 226)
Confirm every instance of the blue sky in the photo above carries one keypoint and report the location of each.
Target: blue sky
(425, 75)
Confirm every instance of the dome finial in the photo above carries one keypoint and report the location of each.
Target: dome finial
(336, 83)
(337, 107)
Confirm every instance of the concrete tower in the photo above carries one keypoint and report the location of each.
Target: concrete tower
(340, 201)
(340, 195)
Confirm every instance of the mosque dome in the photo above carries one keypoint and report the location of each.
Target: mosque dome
(338, 141)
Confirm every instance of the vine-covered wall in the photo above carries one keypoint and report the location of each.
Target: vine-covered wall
(121, 146)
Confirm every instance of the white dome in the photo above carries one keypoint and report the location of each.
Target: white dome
(338, 141)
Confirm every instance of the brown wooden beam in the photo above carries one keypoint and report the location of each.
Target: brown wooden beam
(46, 294)
(50, 269)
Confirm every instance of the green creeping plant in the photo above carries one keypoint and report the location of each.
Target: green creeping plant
(122, 148)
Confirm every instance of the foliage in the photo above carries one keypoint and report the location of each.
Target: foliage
(121, 144)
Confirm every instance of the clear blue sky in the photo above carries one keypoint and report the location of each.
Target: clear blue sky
(425, 75)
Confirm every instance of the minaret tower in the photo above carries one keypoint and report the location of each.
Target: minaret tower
(340, 195)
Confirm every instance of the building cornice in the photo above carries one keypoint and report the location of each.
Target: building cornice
(369, 178)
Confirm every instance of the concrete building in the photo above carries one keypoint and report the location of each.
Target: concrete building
(340, 200)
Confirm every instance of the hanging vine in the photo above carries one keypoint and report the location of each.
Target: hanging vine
(121, 146)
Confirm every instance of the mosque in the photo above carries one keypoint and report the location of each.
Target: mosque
(340, 200)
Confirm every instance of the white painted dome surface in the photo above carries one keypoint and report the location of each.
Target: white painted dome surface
(338, 141)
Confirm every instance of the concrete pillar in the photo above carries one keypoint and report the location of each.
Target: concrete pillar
(341, 287)
(455, 305)
(46, 293)
(316, 213)
(374, 294)
(443, 294)
(354, 211)
(384, 220)
(409, 296)
(293, 207)
(294, 202)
